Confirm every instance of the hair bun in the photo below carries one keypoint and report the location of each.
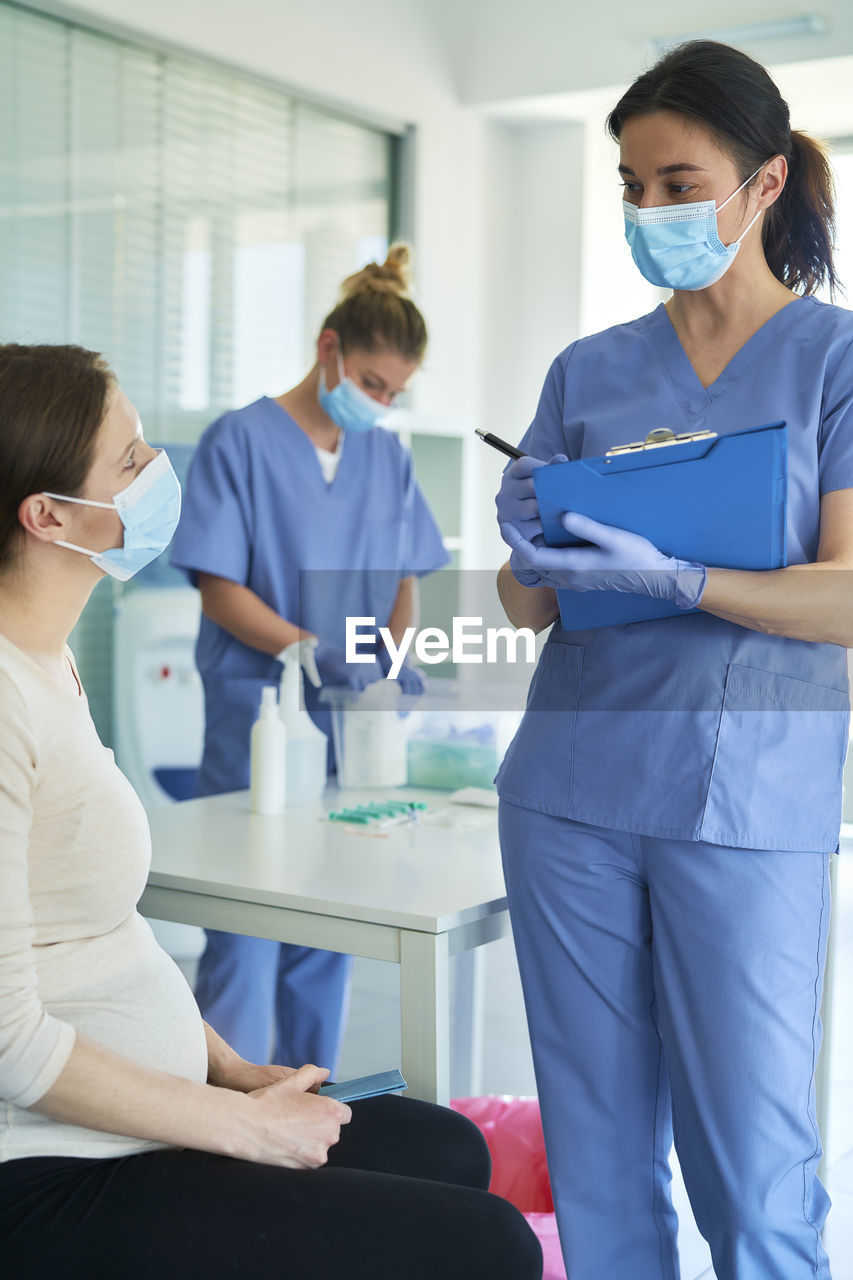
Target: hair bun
(393, 276)
(400, 260)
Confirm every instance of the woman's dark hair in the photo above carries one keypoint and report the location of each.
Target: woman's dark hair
(375, 311)
(734, 97)
(52, 402)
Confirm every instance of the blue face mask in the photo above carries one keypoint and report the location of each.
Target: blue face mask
(149, 508)
(347, 405)
(677, 246)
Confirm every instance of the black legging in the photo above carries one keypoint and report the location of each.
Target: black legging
(401, 1199)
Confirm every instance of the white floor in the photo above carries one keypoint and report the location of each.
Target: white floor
(373, 1040)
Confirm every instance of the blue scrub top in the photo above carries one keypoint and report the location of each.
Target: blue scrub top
(693, 727)
(258, 511)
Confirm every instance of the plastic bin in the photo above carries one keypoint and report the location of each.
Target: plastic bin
(512, 1128)
(369, 734)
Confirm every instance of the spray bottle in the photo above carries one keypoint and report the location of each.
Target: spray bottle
(307, 745)
(268, 757)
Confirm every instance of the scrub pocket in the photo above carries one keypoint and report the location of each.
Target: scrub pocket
(537, 768)
(776, 776)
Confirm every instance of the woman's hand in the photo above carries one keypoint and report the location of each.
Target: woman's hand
(227, 1070)
(333, 668)
(612, 560)
(289, 1124)
(246, 1077)
(516, 499)
(518, 510)
(284, 1122)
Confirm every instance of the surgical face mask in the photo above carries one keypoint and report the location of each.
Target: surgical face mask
(349, 407)
(149, 508)
(677, 246)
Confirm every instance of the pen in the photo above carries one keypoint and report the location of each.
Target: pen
(496, 443)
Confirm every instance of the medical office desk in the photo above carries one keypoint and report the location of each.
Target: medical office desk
(416, 895)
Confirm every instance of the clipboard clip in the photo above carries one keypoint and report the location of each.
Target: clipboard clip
(660, 438)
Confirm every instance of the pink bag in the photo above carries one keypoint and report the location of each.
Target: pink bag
(512, 1128)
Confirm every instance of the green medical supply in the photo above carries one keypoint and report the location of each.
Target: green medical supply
(380, 814)
(451, 762)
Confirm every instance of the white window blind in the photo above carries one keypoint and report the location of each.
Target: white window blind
(188, 221)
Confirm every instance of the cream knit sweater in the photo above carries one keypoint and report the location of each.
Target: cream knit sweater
(74, 953)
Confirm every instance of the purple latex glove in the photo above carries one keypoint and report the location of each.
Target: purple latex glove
(333, 668)
(516, 499)
(518, 509)
(613, 560)
(409, 678)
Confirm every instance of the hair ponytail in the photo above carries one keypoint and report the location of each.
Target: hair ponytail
(799, 229)
(375, 311)
(733, 96)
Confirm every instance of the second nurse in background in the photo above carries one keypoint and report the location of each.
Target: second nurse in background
(300, 511)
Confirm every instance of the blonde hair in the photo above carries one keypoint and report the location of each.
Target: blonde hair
(376, 312)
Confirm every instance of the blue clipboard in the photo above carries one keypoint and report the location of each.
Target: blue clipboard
(719, 500)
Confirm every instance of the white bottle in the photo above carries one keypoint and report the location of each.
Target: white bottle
(268, 757)
(307, 746)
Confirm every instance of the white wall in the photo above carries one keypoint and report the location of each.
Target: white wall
(531, 247)
(818, 94)
(612, 289)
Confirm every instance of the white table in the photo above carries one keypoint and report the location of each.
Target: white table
(416, 896)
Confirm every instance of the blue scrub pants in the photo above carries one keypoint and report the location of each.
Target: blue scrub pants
(673, 985)
(273, 1001)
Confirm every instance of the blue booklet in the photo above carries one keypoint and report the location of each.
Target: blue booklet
(720, 500)
(365, 1086)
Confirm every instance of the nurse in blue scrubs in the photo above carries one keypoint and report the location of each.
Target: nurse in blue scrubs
(672, 798)
(299, 511)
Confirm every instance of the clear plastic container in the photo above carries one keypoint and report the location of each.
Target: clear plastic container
(369, 731)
